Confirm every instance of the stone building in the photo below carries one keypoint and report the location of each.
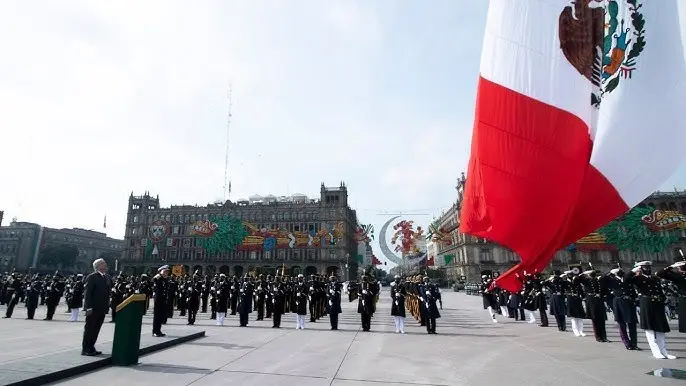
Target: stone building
(295, 233)
(470, 255)
(21, 242)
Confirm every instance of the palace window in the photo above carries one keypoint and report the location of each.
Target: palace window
(485, 254)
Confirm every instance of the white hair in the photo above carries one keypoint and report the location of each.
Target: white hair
(96, 263)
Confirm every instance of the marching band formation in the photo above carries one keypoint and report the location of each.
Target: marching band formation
(635, 297)
(268, 297)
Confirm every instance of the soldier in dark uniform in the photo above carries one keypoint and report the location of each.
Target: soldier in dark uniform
(487, 296)
(300, 296)
(245, 307)
(398, 295)
(13, 292)
(161, 307)
(54, 293)
(333, 294)
(268, 304)
(430, 296)
(652, 309)
(75, 302)
(365, 306)
(193, 290)
(234, 295)
(117, 296)
(676, 274)
(222, 291)
(260, 296)
(575, 306)
(595, 289)
(624, 306)
(172, 290)
(33, 296)
(277, 293)
(558, 308)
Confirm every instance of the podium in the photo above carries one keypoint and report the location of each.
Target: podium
(127, 330)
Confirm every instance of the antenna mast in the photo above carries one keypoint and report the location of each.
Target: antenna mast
(227, 182)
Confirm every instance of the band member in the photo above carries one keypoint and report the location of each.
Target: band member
(261, 295)
(13, 292)
(624, 306)
(398, 294)
(365, 306)
(333, 295)
(652, 309)
(489, 301)
(300, 291)
(160, 308)
(429, 298)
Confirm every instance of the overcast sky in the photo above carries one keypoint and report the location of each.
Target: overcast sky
(102, 98)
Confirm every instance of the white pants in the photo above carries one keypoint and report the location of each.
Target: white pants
(656, 341)
(492, 313)
(220, 318)
(532, 316)
(399, 324)
(505, 312)
(578, 326)
(300, 322)
(74, 317)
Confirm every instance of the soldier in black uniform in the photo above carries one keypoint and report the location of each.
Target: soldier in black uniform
(33, 296)
(277, 293)
(13, 292)
(260, 296)
(222, 291)
(595, 288)
(487, 296)
(365, 306)
(676, 274)
(193, 290)
(234, 295)
(398, 295)
(53, 294)
(430, 296)
(652, 304)
(624, 306)
(558, 287)
(300, 294)
(245, 301)
(75, 302)
(161, 308)
(268, 304)
(333, 295)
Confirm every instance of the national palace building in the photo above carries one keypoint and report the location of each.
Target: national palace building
(296, 233)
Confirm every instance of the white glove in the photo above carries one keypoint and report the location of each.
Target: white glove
(428, 293)
(364, 292)
(212, 288)
(218, 292)
(298, 294)
(422, 299)
(331, 292)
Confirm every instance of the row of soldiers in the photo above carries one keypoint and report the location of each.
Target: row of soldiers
(38, 290)
(637, 297)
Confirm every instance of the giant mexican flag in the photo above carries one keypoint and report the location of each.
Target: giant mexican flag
(578, 118)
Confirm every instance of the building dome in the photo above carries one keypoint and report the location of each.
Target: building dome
(255, 198)
(270, 198)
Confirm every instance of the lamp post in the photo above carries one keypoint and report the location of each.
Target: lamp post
(347, 262)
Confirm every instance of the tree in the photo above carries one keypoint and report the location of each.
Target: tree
(628, 232)
(58, 256)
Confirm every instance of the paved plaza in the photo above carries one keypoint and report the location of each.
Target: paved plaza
(468, 350)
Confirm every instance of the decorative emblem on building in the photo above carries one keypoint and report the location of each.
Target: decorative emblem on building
(158, 230)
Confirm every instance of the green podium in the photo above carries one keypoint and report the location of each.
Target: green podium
(127, 330)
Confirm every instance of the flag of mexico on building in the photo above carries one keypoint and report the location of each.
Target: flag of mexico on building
(578, 119)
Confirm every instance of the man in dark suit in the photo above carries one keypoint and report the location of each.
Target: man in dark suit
(96, 302)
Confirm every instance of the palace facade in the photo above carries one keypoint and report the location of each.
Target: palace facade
(269, 234)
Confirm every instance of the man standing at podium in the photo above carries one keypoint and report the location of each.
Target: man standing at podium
(96, 302)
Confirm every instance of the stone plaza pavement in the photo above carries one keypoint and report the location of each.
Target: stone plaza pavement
(468, 350)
